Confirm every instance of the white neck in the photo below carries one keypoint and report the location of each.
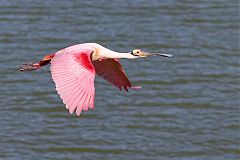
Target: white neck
(107, 53)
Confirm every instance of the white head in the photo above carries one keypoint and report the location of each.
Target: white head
(139, 53)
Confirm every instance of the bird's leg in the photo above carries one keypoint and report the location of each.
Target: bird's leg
(33, 66)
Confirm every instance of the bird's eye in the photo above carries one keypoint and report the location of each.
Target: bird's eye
(134, 53)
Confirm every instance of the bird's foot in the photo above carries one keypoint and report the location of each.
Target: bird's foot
(136, 87)
(29, 66)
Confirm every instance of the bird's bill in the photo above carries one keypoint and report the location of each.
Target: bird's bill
(146, 54)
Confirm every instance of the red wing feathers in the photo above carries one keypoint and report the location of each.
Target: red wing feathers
(111, 70)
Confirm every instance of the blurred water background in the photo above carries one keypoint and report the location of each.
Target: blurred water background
(187, 109)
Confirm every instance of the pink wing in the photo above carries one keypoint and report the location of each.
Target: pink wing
(111, 70)
(73, 74)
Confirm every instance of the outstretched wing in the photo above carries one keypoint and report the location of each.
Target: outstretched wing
(73, 74)
(111, 70)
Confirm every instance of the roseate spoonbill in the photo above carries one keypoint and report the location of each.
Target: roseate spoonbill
(73, 70)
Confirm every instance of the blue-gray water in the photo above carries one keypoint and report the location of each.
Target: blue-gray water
(187, 109)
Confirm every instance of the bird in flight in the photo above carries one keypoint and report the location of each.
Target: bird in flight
(73, 70)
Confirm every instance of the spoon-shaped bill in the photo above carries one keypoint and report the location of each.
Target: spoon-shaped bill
(162, 54)
(146, 54)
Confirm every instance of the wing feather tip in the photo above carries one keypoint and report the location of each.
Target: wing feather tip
(79, 111)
